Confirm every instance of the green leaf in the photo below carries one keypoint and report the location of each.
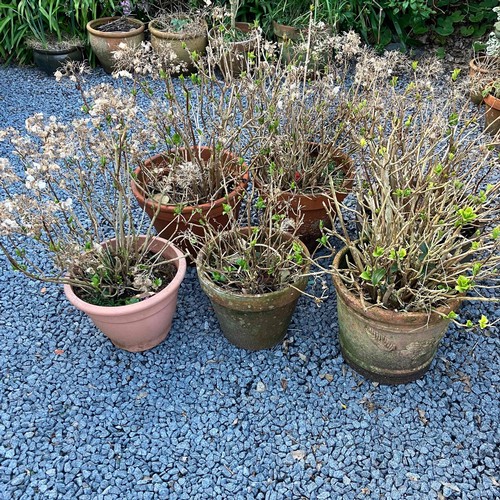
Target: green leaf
(367, 274)
(226, 208)
(377, 276)
(483, 322)
(378, 252)
(464, 284)
(452, 315)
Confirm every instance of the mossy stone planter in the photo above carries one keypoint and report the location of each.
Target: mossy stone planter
(252, 322)
(386, 346)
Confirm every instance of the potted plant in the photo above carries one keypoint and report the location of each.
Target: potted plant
(52, 37)
(233, 44)
(107, 34)
(253, 277)
(197, 174)
(426, 177)
(68, 219)
(181, 33)
(491, 98)
(302, 146)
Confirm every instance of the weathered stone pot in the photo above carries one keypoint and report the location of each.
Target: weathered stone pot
(179, 43)
(386, 346)
(251, 322)
(143, 325)
(105, 43)
(50, 60)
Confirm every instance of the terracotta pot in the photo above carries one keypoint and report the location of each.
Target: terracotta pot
(169, 223)
(234, 59)
(252, 322)
(386, 346)
(492, 116)
(476, 72)
(51, 60)
(141, 326)
(311, 208)
(104, 44)
(285, 33)
(181, 44)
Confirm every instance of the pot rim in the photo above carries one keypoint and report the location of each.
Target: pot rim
(220, 292)
(115, 34)
(152, 204)
(179, 262)
(52, 52)
(380, 314)
(492, 101)
(242, 44)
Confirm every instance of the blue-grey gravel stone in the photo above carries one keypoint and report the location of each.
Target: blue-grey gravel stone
(185, 420)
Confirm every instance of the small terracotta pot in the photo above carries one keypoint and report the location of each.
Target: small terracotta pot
(312, 208)
(51, 60)
(104, 44)
(252, 322)
(386, 346)
(144, 325)
(182, 45)
(492, 115)
(169, 224)
(234, 60)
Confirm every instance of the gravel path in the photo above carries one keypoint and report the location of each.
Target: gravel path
(198, 418)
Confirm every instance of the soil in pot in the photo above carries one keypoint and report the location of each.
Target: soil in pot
(252, 321)
(141, 325)
(169, 221)
(386, 346)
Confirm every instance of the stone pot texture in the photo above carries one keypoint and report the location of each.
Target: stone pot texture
(104, 43)
(180, 44)
(169, 223)
(492, 115)
(50, 60)
(386, 346)
(143, 325)
(252, 322)
(234, 60)
(312, 208)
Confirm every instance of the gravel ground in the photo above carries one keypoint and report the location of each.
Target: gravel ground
(198, 418)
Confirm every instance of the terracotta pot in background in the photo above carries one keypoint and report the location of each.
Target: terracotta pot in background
(252, 322)
(386, 346)
(141, 326)
(181, 44)
(234, 60)
(105, 43)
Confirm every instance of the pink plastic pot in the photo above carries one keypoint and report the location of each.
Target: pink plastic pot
(141, 326)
